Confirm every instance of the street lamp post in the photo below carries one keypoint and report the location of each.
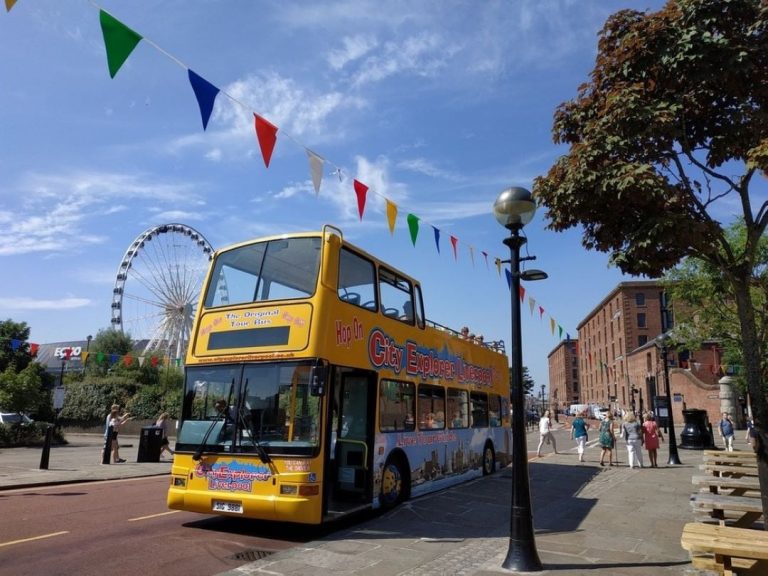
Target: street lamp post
(514, 208)
(662, 342)
(543, 405)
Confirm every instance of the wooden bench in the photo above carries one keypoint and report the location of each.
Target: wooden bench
(729, 470)
(744, 511)
(738, 486)
(727, 547)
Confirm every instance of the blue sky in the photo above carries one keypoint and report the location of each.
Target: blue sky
(436, 106)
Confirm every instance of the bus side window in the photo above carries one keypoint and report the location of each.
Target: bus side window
(479, 404)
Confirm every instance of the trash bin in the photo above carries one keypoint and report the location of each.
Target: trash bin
(150, 444)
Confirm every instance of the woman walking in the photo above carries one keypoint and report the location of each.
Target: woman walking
(607, 439)
(162, 422)
(545, 433)
(579, 429)
(651, 437)
(633, 436)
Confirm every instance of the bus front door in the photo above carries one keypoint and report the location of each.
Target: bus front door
(353, 455)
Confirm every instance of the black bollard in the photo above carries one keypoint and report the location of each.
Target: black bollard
(46, 448)
(106, 454)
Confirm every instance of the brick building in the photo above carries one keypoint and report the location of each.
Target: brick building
(564, 386)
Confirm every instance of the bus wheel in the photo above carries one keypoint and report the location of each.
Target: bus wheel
(489, 460)
(392, 483)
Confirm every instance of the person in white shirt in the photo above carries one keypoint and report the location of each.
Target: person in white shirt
(545, 433)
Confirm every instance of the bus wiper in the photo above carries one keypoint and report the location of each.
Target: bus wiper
(263, 456)
(199, 452)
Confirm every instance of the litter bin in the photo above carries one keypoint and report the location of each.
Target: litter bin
(150, 444)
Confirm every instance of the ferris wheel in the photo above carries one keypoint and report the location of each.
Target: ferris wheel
(158, 285)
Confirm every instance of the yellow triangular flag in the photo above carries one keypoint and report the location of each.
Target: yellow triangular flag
(391, 215)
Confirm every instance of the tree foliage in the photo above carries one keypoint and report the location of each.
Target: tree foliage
(23, 391)
(19, 358)
(668, 138)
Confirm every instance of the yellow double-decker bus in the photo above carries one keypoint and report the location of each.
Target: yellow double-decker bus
(314, 387)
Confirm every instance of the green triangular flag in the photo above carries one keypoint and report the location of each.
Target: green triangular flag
(413, 226)
(119, 40)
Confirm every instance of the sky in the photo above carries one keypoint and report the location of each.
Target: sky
(436, 106)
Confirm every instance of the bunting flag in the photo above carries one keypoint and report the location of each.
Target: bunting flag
(531, 304)
(100, 357)
(113, 358)
(522, 293)
(552, 325)
(266, 132)
(413, 227)
(33, 349)
(485, 255)
(154, 361)
(391, 216)
(472, 255)
(560, 332)
(315, 169)
(437, 238)
(497, 262)
(127, 360)
(541, 313)
(206, 93)
(119, 41)
(9, 4)
(361, 190)
(454, 242)
(508, 274)
(84, 356)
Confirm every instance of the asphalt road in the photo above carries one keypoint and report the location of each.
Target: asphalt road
(123, 527)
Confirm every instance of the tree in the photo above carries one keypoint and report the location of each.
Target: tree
(709, 308)
(14, 345)
(666, 139)
(528, 382)
(23, 391)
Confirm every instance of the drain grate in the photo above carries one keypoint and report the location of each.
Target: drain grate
(252, 555)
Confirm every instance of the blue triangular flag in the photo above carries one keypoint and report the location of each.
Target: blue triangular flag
(437, 239)
(205, 92)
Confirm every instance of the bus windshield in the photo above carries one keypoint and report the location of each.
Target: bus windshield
(272, 270)
(244, 408)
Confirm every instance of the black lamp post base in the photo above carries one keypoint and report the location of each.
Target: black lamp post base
(522, 556)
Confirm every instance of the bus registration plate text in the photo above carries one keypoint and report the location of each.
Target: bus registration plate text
(233, 507)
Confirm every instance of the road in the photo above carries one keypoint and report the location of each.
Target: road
(123, 527)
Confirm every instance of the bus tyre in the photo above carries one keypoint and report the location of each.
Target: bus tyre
(393, 489)
(489, 459)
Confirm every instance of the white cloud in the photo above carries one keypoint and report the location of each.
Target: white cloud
(22, 303)
(424, 166)
(354, 47)
(56, 208)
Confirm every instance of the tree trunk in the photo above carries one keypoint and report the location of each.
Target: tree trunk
(752, 360)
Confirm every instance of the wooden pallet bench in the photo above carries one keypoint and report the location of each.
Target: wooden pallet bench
(738, 486)
(743, 510)
(727, 549)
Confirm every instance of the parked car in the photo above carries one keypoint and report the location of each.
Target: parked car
(15, 418)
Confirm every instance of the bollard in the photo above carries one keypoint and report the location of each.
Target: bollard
(46, 448)
(106, 454)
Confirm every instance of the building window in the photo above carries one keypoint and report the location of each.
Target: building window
(641, 320)
(640, 299)
(642, 340)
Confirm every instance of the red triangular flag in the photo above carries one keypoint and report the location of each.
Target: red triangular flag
(361, 190)
(454, 241)
(266, 132)
(522, 293)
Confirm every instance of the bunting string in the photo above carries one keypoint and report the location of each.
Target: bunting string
(120, 41)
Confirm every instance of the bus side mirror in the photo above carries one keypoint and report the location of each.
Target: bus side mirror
(317, 379)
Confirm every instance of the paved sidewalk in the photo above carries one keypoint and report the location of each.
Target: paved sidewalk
(606, 521)
(77, 461)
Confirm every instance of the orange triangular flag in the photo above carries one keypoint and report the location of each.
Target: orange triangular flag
(9, 4)
(391, 215)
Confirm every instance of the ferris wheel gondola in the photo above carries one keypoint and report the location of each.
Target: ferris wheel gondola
(157, 288)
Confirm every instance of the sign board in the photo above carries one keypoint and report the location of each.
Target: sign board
(58, 397)
(677, 397)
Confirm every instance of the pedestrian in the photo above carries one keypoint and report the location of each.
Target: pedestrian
(607, 439)
(579, 429)
(632, 433)
(751, 437)
(545, 433)
(651, 437)
(162, 422)
(114, 421)
(726, 431)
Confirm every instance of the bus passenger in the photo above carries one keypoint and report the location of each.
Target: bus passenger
(464, 333)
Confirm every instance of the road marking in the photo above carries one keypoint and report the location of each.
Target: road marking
(153, 516)
(33, 538)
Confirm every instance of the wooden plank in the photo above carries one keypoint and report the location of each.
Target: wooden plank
(729, 470)
(727, 502)
(716, 483)
(725, 541)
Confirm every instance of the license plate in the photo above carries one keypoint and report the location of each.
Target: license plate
(232, 507)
